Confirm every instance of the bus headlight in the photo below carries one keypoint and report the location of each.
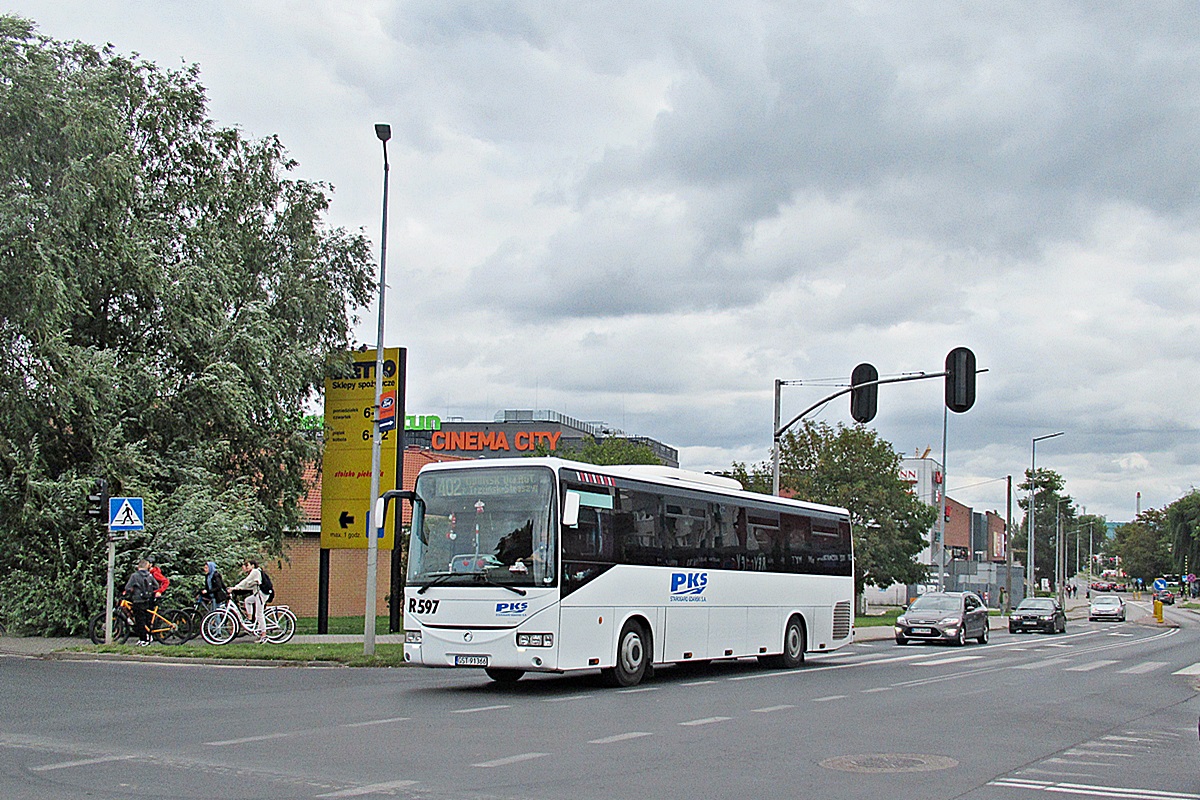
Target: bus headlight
(412, 637)
(535, 640)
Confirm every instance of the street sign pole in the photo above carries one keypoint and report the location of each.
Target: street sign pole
(110, 591)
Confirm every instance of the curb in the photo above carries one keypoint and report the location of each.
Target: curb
(68, 655)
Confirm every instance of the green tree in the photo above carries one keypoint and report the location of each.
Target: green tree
(168, 298)
(1183, 528)
(1143, 546)
(609, 450)
(851, 467)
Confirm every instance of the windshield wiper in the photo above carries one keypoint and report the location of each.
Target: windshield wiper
(438, 578)
(483, 577)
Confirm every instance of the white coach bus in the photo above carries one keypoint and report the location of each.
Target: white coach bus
(545, 565)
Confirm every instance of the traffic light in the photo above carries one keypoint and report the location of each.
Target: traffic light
(864, 400)
(98, 501)
(960, 380)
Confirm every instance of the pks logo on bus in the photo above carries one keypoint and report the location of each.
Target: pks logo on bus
(688, 587)
(511, 609)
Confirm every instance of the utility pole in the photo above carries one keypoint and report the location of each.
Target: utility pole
(1008, 551)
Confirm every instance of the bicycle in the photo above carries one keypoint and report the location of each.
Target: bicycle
(196, 613)
(168, 626)
(223, 625)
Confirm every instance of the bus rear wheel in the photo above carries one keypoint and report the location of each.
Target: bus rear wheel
(794, 642)
(500, 675)
(633, 656)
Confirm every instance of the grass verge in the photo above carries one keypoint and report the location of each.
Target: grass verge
(345, 654)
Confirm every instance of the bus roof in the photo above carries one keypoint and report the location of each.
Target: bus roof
(648, 473)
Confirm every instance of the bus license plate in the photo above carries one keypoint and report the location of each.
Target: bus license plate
(470, 661)
(923, 630)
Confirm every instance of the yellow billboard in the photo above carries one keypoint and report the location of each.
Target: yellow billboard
(346, 471)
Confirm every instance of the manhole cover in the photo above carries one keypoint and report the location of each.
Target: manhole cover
(889, 762)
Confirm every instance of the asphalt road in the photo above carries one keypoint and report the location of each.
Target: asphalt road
(1106, 710)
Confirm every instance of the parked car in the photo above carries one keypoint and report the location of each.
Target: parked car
(1165, 596)
(1107, 607)
(1038, 614)
(951, 617)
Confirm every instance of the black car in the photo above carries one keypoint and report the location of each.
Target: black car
(1165, 596)
(1038, 614)
(950, 617)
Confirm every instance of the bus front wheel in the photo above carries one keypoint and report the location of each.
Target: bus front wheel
(633, 656)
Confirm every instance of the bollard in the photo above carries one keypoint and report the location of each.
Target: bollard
(1158, 610)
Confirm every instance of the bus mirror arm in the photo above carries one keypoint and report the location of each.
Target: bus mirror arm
(570, 515)
(392, 494)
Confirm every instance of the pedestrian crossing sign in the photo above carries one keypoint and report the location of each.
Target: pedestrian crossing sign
(125, 514)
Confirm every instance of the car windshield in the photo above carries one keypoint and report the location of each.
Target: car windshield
(1107, 601)
(936, 602)
(1036, 605)
(489, 525)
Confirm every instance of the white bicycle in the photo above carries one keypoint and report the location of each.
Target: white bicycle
(223, 625)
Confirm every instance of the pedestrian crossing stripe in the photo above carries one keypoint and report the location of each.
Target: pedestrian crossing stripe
(126, 514)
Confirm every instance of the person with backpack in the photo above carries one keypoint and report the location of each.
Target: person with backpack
(255, 601)
(140, 591)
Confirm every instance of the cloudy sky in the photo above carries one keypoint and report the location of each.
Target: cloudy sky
(645, 213)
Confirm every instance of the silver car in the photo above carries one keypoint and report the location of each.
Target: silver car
(1109, 606)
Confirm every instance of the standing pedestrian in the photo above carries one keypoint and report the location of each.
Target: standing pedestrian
(254, 602)
(140, 591)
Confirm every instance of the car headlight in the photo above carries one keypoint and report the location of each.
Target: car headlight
(412, 637)
(535, 640)
(951, 621)
(1047, 616)
(900, 620)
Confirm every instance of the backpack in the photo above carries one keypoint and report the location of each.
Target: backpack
(265, 586)
(143, 587)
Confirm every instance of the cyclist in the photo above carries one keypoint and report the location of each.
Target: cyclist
(254, 602)
(140, 591)
(214, 592)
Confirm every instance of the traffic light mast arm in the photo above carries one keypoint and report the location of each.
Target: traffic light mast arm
(848, 389)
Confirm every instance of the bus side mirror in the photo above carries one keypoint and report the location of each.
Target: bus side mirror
(570, 515)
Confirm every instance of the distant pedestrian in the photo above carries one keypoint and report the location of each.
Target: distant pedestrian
(162, 580)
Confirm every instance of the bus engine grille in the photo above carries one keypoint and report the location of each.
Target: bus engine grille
(841, 620)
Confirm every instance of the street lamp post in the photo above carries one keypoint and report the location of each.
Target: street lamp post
(1031, 578)
(383, 132)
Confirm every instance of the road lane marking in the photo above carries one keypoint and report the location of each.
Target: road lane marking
(950, 660)
(1194, 669)
(877, 689)
(83, 762)
(830, 697)
(697, 683)
(1050, 662)
(770, 709)
(1092, 790)
(478, 709)
(503, 762)
(706, 721)
(639, 689)
(1091, 666)
(374, 722)
(621, 737)
(373, 788)
(1146, 666)
(248, 739)
(566, 699)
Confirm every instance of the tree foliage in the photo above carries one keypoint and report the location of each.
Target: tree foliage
(1182, 526)
(1053, 511)
(167, 300)
(851, 467)
(1143, 546)
(610, 450)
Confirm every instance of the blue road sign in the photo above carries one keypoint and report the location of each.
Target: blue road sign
(1160, 584)
(125, 514)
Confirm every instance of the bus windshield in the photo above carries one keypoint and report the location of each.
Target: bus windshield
(485, 526)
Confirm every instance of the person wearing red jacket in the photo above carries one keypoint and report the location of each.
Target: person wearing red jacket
(163, 580)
